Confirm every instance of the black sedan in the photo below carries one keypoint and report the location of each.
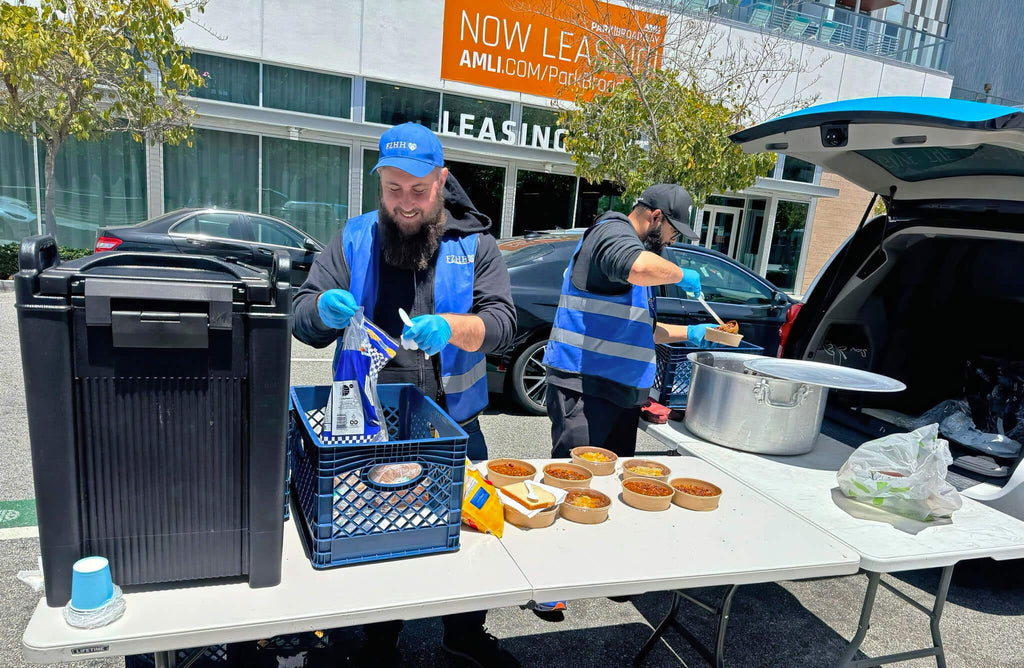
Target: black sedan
(536, 264)
(247, 237)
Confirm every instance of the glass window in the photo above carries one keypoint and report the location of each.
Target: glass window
(594, 199)
(17, 189)
(269, 231)
(718, 200)
(749, 248)
(485, 185)
(795, 169)
(540, 125)
(220, 169)
(306, 184)
(721, 282)
(371, 182)
(787, 242)
(227, 79)
(216, 225)
(391, 105)
(308, 92)
(460, 112)
(97, 183)
(543, 201)
(936, 162)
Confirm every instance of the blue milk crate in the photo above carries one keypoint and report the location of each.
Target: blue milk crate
(672, 378)
(347, 518)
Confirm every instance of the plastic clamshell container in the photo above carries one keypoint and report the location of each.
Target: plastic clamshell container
(644, 501)
(503, 480)
(693, 501)
(565, 483)
(583, 515)
(597, 468)
(629, 464)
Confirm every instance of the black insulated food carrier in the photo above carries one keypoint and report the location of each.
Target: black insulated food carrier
(157, 395)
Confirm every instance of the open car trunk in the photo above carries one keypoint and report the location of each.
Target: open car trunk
(944, 313)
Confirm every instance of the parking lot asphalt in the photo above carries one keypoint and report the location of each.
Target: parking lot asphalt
(802, 623)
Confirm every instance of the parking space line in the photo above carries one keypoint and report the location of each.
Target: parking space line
(19, 532)
(312, 359)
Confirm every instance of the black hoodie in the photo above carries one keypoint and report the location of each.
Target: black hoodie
(414, 291)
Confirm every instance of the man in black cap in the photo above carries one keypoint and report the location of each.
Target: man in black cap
(600, 356)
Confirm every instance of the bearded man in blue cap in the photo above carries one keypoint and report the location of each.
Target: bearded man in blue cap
(425, 250)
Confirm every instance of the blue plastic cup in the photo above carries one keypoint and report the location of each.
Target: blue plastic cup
(91, 585)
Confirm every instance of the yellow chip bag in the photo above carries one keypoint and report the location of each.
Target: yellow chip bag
(481, 507)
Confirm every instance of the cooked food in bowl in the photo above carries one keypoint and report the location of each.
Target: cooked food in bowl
(645, 469)
(596, 457)
(731, 327)
(585, 500)
(695, 490)
(646, 488)
(510, 469)
(564, 473)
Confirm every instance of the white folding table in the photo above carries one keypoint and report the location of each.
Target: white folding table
(636, 551)
(806, 484)
(479, 576)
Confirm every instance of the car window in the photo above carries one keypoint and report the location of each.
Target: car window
(268, 231)
(218, 225)
(721, 281)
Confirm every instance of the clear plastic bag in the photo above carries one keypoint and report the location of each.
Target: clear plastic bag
(903, 474)
(101, 616)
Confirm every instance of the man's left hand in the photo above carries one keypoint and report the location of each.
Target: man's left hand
(430, 332)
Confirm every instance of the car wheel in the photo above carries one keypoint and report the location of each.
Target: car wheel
(530, 379)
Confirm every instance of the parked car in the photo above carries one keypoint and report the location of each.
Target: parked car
(536, 264)
(16, 219)
(931, 293)
(248, 237)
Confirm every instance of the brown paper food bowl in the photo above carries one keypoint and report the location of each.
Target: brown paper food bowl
(725, 338)
(627, 474)
(585, 515)
(643, 501)
(597, 468)
(544, 518)
(692, 501)
(502, 480)
(563, 483)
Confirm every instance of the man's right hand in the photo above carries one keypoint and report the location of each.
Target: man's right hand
(690, 282)
(336, 307)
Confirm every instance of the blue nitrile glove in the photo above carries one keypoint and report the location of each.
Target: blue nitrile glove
(336, 308)
(695, 333)
(690, 282)
(430, 332)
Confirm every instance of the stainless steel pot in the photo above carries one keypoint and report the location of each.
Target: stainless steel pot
(741, 409)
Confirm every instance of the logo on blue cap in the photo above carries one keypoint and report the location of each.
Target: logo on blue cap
(412, 148)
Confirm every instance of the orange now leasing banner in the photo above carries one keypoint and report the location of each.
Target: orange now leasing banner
(518, 45)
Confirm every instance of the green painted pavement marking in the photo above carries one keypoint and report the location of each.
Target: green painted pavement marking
(17, 513)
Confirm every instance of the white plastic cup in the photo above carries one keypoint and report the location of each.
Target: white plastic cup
(91, 585)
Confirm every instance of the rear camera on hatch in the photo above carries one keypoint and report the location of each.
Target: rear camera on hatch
(834, 136)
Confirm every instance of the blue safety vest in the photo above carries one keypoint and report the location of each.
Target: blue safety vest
(605, 336)
(463, 374)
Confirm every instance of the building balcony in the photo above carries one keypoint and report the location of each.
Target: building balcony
(828, 26)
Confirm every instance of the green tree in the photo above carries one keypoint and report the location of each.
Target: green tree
(684, 84)
(85, 68)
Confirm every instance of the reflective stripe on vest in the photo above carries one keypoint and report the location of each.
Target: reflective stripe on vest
(463, 374)
(604, 336)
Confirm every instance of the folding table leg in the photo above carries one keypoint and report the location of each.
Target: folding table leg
(164, 659)
(934, 616)
(715, 658)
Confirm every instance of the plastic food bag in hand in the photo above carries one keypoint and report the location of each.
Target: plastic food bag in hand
(904, 474)
(481, 505)
(353, 410)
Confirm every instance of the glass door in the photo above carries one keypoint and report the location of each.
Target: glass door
(718, 228)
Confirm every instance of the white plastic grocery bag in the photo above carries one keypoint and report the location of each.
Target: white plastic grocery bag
(904, 474)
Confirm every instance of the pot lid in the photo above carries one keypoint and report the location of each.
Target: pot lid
(826, 375)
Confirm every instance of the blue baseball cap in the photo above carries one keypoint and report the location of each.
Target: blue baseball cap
(411, 148)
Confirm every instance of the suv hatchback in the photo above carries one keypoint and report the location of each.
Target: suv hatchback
(932, 292)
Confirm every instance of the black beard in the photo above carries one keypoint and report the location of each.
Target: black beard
(411, 251)
(652, 240)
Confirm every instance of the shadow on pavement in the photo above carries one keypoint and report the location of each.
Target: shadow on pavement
(984, 585)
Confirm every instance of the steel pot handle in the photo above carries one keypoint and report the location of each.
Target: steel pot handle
(762, 394)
